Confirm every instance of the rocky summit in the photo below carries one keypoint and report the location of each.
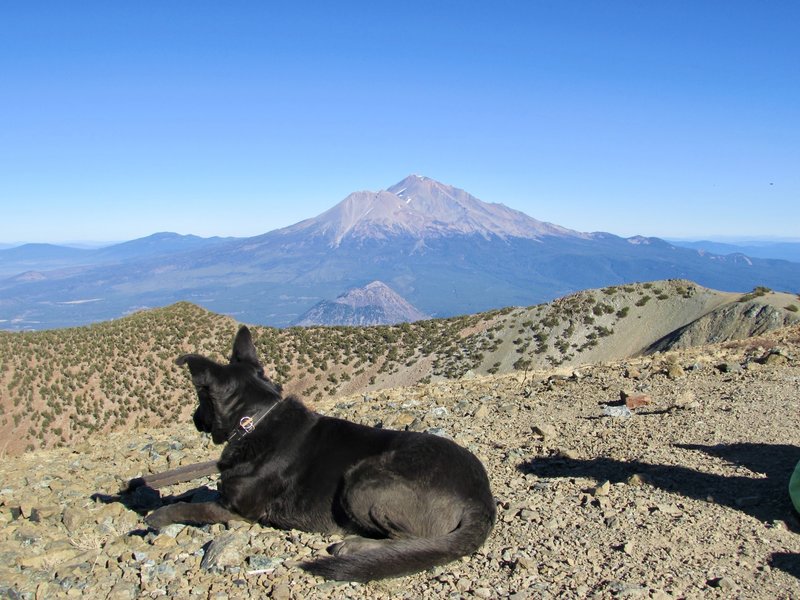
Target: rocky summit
(657, 477)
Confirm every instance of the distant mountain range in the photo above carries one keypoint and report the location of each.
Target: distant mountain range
(758, 249)
(441, 249)
(50, 257)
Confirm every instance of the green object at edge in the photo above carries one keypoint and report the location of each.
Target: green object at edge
(794, 488)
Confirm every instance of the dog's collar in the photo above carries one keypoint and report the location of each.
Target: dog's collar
(247, 424)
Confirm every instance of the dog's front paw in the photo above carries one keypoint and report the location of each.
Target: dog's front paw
(159, 518)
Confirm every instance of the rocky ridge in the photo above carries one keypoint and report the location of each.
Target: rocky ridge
(684, 498)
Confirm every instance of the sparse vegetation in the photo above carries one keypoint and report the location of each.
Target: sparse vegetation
(602, 309)
(604, 331)
(757, 292)
(60, 386)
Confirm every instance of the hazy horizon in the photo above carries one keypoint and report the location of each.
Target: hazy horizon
(94, 244)
(672, 120)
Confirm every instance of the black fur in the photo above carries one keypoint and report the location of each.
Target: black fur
(412, 500)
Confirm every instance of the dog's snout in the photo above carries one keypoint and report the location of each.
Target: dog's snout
(201, 420)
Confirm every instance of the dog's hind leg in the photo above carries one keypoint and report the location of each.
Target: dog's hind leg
(354, 545)
(200, 513)
(382, 504)
(422, 517)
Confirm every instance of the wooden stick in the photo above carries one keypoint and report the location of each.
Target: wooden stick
(179, 475)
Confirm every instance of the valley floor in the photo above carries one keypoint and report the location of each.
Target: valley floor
(687, 498)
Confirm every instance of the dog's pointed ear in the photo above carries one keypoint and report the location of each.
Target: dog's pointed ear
(243, 348)
(205, 372)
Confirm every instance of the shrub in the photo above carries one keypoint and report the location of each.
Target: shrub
(550, 321)
(757, 292)
(522, 363)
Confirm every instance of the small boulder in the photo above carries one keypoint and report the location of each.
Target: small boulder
(633, 373)
(481, 412)
(74, 517)
(225, 551)
(602, 490)
(544, 431)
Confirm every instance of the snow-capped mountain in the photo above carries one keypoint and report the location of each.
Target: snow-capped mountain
(423, 208)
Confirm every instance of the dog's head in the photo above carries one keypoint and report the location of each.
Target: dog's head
(228, 392)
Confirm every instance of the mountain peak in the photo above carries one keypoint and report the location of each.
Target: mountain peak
(421, 207)
(373, 304)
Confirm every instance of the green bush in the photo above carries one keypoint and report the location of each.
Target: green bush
(550, 321)
(757, 292)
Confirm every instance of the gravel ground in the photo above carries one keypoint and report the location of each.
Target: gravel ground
(685, 498)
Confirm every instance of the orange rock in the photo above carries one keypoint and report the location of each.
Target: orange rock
(634, 401)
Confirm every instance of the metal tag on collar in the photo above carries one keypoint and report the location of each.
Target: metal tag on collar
(247, 424)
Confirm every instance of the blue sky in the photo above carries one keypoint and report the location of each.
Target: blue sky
(675, 119)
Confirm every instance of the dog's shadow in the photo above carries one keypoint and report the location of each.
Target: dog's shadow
(765, 496)
(142, 499)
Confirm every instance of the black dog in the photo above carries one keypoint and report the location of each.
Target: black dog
(413, 500)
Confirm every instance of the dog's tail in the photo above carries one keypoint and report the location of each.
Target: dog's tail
(396, 557)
